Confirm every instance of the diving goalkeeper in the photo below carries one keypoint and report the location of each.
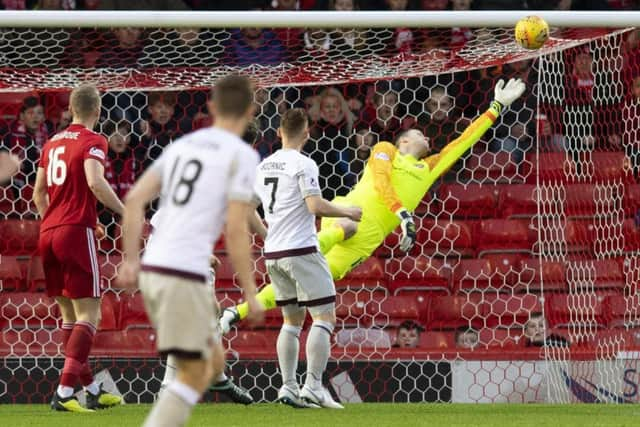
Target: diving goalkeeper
(395, 180)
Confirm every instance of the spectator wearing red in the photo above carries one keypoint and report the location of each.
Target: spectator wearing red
(580, 81)
(120, 166)
(26, 137)
(124, 51)
(291, 38)
(254, 46)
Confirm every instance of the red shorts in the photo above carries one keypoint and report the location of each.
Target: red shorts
(70, 262)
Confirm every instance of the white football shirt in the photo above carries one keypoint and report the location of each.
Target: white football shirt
(200, 173)
(283, 181)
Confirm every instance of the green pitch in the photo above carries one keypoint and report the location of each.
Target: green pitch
(361, 415)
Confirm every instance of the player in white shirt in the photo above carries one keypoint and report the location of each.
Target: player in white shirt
(222, 384)
(287, 187)
(205, 180)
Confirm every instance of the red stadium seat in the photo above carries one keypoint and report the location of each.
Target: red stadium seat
(350, 309)
(534, 274)
(611, 166)
(477, 275)
(617, 339)
(503, 235)
(35, 278)
(622, 311)
(418, 273)
(517, 200)
(469, 201)
(455, 311)
(19, 237)
(556, 167)
(441, 238)
(581, 310)
(8, 202)
(11, 274)
(631, 233)
(132, 311)
(508, 265)
(510, 310)
(369, 273)
(28, 310)
(111, 343)
(249, 340)
(109, 309)
(30, 342)
(501, 337)
(441, 340)
(225, 274)
(139, 342)
(488, 167)
(109, 269)
(631, 199)
(398, 309)
(580, 200)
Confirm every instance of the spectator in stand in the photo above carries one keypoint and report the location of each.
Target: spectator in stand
(254, 46)
(120, 166)
(438, 122)
(363, 140)
(329, 144)
(291, 38)
(64, 120)
(161, 129)
(408, 335)
(26, 137)
(460, 36)
(182, 47)
(536, 333)
(581, 80)
(143, 5)
(466, 338)
(347, 42)
(381, 117)
(124, 51)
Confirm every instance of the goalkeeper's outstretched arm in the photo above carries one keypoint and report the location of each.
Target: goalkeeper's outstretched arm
(504, 95)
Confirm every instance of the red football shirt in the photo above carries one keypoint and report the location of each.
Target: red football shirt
(71, 202)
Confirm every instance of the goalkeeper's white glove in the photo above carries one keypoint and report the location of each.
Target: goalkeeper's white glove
(506, 94)
(408, 227)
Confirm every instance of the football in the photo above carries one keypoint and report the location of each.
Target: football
(531, 32)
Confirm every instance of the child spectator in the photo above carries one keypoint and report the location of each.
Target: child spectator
(466, 338)
(536, 333)
(408, 334)
(124, 51)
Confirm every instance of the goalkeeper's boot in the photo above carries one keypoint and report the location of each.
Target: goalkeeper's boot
(291, 397)
(320, 397)
(229, 318)
(68, 404)
(102, 400)
(232, 391)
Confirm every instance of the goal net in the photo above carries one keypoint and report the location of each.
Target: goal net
(522, 286)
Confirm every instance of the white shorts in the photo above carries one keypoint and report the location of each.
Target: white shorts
(184, 313)
(304, 280)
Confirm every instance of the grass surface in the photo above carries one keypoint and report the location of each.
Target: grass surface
(357, 415)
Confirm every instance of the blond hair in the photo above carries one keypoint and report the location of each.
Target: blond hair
(85, 101)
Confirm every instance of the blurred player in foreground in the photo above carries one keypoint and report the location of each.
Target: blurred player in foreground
(9, 166)
(287, 186)
(395, 180)
(204, 180)
(222, 384)
(70, 178)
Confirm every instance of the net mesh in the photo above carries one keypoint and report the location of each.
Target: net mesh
(530, 239)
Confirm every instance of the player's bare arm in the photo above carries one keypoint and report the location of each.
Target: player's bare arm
(144, 191)
(239, 248)
(256, 225)
(9, 165)
(99, 186)
(324, 208)
(40, 196)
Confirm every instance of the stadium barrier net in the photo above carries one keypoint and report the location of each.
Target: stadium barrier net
(523, 281)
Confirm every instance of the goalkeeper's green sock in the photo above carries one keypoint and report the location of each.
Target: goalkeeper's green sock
(266, 297)
(329, 237)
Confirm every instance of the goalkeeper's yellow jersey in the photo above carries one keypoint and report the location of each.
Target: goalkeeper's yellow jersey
(392, 180)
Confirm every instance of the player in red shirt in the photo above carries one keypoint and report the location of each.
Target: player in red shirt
(69, 182)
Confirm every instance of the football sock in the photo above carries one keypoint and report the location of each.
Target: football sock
(77, 353)
(318, 350)
(173, 407)
(93, 388)
(266, 297)
(288, 346)
(328, 237)
(170, 370)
